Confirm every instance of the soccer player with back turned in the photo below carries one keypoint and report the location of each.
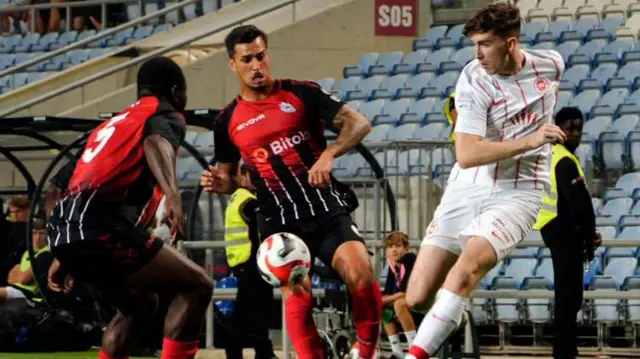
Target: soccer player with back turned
(97, 230)
(277, 128)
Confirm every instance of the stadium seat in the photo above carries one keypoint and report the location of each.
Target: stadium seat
(378, 133)
(615, 273)
(63, 40)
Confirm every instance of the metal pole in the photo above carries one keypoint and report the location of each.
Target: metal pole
(208, 260)
(103, 16)
(68, 19)
(124, 65)
(285, 336)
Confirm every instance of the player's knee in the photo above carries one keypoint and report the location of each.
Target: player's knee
(357, 277)
(420, 300)
(203, 287)
(400, 305)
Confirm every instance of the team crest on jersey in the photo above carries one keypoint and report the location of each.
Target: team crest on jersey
(287, 107)
(260, 155)
(542, 85)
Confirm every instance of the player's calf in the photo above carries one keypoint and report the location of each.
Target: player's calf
(422, 289)
(134, 314)
(352, 262)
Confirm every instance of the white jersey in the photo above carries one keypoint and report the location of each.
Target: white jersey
(502, 108)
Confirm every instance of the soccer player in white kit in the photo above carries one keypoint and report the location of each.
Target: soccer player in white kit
(505, 100)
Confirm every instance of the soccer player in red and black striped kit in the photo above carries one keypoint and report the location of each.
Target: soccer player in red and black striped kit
(97, 230)
(277, 128)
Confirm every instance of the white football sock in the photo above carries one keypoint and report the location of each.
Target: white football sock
(442, 320)
(396, 349)
(411, 335)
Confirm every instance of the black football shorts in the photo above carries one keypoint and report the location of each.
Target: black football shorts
(323, 234)
(102, 255)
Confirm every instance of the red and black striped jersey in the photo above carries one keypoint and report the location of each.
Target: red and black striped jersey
(279, 139)
(112, 171)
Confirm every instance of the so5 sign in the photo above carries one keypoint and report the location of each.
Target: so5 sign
(396, 17)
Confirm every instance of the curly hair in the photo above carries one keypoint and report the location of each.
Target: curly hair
(503, 19)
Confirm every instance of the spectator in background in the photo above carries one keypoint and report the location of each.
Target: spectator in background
(14, 243)
(21, 278)
(19, 209)
(401, 260)
(451, 113)
(568, 226)
(252, 314)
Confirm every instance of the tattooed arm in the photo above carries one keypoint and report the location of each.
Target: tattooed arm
(353, 128)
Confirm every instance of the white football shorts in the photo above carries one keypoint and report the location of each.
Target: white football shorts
(503, 216)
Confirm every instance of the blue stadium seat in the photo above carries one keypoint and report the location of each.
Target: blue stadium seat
(369, 84)
(613, 193)
(584, 152)
(10, 42)
(403, 132)
(204, 143)
(628, 182)
(611, 23)
(455, 33)
(518, 269)
(6, 61)
(544, 46)
(75, 57)
(576, 74)
(617, 207)
(585, 100)
(422, 107)
(387, 61)
(429, 132)
(613, 98)
(411, 60)
(140, 33)
(464, 55)
(440, 56)
(617, 270)
(567, 49)
(543, 276)
(534, 27)
(55, 64)
(396, 108)
(367, 60)
(629, 71)
(604, 72)
(443, 81)
(95, 53)
(65, 39)
(346, 85)
(378, 133)
(85, 35)
(371, 109)
(633, 140)
(545, 37)
(597, 204)
(160, 28)
(394, 83)
(583, 25)
(326, 83)
(27, 42)
(420, 81)
(607, 232)
(617, 47)
(558, 26)
(436, 32)
(487, 280)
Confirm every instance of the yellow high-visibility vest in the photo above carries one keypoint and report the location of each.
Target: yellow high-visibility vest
(447, 114)
(25, 265)
(236, 229)
(549, 209)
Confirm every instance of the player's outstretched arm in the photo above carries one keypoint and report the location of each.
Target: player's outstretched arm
(160, 155)
(353, 128)
(474, 150)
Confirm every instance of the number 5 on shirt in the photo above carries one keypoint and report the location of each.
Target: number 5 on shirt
(102, 137)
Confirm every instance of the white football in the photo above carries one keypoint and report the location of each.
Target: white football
(283, 258)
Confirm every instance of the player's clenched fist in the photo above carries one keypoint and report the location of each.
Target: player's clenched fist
(548, 133)
(320, 172)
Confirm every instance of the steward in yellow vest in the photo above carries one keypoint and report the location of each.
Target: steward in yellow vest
(568, 227)
(236, 229)
(251, 314)
(22, 278)
(451, 114)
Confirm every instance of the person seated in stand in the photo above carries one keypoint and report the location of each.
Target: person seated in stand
(21, 279)
(395, 309)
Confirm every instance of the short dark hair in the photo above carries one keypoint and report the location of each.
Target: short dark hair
(159, 75)
(503, 19)
(244, 34)
(243, 169)
(20, 202)
(567, 114)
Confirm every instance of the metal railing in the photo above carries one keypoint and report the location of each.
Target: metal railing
(100, 35)
(137, 60)
(67, 6)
